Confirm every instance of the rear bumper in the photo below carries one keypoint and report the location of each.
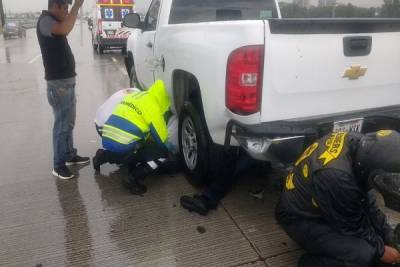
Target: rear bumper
(283, 141)
(113, 42)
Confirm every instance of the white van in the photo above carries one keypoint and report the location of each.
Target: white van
(107, 32)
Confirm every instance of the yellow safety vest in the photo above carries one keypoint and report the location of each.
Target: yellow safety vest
(138, 116)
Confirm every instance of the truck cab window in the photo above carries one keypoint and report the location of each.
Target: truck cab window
(193, 11)
(150, 22)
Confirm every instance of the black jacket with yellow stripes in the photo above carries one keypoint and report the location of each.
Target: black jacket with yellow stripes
(325, 185)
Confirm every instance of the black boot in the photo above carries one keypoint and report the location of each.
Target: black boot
(198, 203)
(134, 185)
(137, 188)
(99, 159)
(134, 181)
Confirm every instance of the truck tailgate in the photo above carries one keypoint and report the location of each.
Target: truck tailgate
(322, 67)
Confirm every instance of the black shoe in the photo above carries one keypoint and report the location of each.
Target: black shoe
(63, 173)
(98, 159)
(198, 204)
(138, 188)
(135, 186)
(77, 160)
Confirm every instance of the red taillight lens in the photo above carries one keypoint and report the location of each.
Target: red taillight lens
(100, 26)
(244, 78)
(127, 2)
(104, 1)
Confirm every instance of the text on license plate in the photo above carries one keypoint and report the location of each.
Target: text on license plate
(348, 125)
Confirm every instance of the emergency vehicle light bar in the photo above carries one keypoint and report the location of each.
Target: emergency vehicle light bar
(115, 2)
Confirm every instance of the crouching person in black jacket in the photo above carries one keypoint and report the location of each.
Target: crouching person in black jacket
(327, 207)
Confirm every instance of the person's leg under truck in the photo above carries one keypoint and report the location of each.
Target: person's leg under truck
(226, 176)
(327, 248)
(61, 97)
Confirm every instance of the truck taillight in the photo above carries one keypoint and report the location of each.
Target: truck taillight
(100, 26)
(244, 77)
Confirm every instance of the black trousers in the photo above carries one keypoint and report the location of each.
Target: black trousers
(226, 176)
(325, 247)
(149, 152)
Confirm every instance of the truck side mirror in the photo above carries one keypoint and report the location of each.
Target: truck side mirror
(132, 20)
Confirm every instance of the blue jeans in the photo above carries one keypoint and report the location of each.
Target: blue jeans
(61, 96)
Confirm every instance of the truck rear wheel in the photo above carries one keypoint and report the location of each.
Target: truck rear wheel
(134, 82)
(194, 146)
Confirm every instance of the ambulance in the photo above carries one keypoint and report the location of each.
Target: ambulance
(106, 24)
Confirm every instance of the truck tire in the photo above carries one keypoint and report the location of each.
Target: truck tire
(194, 146)
(133, 80)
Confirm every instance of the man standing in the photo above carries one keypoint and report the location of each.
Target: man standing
(52, 29)
(327, 207)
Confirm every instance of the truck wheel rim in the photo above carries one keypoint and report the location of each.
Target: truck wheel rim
(189, 143)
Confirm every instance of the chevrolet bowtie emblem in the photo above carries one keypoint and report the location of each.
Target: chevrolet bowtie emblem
(354, 72)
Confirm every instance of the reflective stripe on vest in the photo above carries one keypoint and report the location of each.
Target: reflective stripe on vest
(119, 135)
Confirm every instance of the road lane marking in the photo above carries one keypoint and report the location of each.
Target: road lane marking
(34, 59)
(114, 60)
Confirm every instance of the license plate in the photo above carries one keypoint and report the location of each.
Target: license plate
(354, 125)
(110, 32)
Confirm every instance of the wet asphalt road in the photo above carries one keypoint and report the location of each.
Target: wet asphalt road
(92, 220)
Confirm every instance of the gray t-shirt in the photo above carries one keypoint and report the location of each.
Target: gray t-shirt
(46, 25)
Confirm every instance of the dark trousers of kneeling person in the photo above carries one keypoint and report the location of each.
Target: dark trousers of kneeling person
(148, 159)
(325, 247)
(221, 184)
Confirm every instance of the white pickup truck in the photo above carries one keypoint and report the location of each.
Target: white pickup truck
(235, 68)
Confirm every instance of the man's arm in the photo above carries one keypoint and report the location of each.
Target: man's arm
(343, 205)
(66, 26)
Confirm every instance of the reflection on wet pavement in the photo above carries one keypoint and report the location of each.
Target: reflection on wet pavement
(93, 220)
(76, 234)
(8, 58)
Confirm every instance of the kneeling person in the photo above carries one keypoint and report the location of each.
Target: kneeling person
(327, 206)
(136, 134)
